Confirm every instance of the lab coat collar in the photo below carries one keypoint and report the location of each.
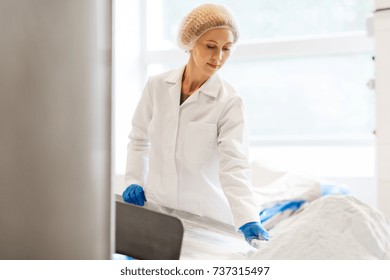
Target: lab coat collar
(210, 87)
(175, 76)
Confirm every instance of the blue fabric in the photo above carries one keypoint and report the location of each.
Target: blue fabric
(268, 213)
(293, 205)
(329, 189)
(121, 257)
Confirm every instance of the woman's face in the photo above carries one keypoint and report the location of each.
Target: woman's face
(212, 50)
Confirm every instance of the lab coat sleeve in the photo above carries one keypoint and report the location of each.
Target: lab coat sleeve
(139, 144)
(235, 170)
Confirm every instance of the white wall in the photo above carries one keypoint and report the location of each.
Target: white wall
(128, 75)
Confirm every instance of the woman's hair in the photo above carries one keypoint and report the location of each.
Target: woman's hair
(202, 19)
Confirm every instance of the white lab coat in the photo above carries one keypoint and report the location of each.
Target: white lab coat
(192, 157)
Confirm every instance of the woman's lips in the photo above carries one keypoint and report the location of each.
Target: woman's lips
(214, 66)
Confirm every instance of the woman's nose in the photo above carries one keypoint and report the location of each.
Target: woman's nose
(217, 55)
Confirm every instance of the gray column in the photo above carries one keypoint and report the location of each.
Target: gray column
(55, 129)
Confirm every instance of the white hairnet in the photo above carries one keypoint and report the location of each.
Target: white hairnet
(202, 19)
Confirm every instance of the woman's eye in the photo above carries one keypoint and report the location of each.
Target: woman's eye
(210, 46)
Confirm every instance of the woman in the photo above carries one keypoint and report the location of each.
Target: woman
(187, 146)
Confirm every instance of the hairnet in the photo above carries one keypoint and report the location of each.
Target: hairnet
(202, 19)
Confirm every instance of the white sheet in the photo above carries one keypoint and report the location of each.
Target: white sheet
(327, 227)
(273, 186)
(331, 227)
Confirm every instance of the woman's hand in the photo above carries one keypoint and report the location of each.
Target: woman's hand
(134, 194)
(254, 230)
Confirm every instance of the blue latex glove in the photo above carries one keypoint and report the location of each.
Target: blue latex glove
(134, 194)
(254, 230)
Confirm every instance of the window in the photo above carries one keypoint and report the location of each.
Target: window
(306, 96)
(263, 19)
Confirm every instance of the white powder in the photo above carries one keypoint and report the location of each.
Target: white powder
(331, 227)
